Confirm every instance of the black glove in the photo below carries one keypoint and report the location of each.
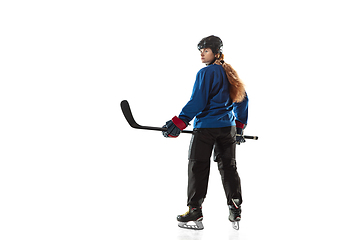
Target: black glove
(174, 127)
(240, 132)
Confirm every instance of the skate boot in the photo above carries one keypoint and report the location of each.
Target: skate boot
(235, 213)
(191, 219)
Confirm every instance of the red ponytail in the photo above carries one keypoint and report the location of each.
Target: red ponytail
(237, 88)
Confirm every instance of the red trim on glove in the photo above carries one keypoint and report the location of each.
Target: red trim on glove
(239, 124)
(179, 123)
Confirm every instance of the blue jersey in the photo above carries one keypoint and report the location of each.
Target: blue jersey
(210, 102)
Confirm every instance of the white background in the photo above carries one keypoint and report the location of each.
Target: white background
(72, 168)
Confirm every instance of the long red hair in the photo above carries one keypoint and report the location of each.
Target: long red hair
(237, 88)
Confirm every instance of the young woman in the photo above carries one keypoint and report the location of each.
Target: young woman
(219, 105)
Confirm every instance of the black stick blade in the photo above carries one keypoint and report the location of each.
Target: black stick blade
(125, 107)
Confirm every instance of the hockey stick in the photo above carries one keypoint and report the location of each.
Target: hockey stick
(125, 107)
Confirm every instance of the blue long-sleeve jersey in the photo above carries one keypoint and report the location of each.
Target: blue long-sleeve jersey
(210, 102)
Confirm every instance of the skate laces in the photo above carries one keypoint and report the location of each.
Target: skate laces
(185, 213)
(188, 211)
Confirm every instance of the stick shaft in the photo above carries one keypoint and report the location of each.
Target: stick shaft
(125, 107)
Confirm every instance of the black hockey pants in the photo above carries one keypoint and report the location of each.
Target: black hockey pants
(203, 142)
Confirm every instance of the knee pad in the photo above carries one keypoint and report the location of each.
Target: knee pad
(226, 164)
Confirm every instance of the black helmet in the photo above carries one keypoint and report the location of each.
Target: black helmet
(212, 42)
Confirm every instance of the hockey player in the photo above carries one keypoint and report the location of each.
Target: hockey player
(219, 105)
